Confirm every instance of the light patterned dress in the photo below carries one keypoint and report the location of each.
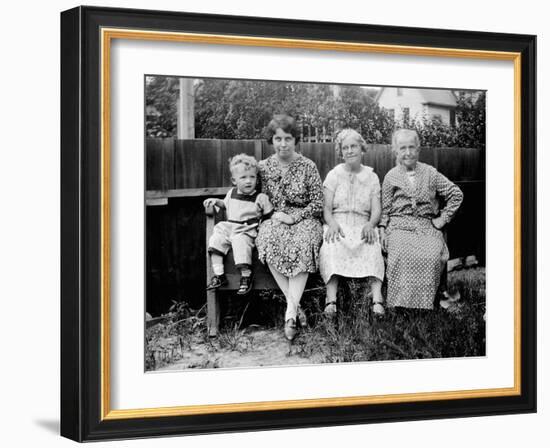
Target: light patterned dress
(417, 251)
(291, 249)
(351, 256)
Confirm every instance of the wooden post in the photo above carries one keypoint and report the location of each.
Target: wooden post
(186, 109)
(212, 305)
(258, 150)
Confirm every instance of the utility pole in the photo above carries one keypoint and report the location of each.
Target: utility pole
(186, 109)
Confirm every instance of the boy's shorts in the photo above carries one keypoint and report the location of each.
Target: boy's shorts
(239, 237)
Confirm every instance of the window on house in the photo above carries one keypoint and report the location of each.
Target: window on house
(399, 92)
(452, 118)
(392, 113)
(406, 115)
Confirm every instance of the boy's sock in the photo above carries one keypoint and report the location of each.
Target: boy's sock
(246, 272)
(217, 269)
(217, 264)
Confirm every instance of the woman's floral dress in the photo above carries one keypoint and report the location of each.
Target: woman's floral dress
(291, 249)
(351, 256)
(417, 252)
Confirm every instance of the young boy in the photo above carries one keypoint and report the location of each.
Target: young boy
(244, 207)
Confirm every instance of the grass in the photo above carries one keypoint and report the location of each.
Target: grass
(358, 335)
(354, 335)
(167, 341)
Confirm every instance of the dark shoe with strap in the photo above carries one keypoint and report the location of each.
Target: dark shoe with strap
(290, 329)
(216, 282)
(302, 318)
(245, 285)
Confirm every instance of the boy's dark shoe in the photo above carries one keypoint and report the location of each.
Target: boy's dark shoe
(245, 286)
(216, 282)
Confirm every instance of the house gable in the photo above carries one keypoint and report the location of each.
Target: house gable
(417, 104)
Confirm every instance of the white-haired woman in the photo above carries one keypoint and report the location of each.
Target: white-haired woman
(411, 223)
(351, 246)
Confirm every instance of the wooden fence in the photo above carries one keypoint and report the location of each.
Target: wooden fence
(181, 173)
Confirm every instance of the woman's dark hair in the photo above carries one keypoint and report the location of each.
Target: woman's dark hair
(284, 122)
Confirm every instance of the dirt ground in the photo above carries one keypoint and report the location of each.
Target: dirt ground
(251, 348)
(180, 341)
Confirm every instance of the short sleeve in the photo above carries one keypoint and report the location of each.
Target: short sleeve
(227, 197)
(331, 181)
(374, 186)
(264, 204)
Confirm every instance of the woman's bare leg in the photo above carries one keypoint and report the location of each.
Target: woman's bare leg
(332, 289)
(377, 298)
(296, 286)
(282, 282)
(376, 288)
(280, 279)
(330, 301)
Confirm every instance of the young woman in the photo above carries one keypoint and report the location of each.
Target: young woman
(289, 242)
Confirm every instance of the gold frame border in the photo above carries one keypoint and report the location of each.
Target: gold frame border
(107, 35)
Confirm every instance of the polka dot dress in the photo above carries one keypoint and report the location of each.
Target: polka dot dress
(417, 252)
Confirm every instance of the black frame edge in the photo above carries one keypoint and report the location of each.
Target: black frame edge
(529, 222)
(80, 212)
(71, 382)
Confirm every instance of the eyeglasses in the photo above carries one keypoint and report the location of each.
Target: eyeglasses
(353, 147)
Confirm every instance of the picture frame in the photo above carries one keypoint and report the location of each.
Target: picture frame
(86, 209)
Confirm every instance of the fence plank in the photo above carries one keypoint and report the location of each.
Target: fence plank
(198, 163)
(186, 192)
(186, 171)
(229, 149)
(160, 163)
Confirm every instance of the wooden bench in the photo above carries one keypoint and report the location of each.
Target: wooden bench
(262, 276)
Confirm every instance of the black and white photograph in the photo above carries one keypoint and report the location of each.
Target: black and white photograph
(294, 223)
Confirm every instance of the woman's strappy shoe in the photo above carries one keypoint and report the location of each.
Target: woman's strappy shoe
(378, 309)
(290, 329)
(302, 319)
(330, 309)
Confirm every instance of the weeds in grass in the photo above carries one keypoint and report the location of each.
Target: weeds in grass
(235, 340)
(356, 334)
(168, 341)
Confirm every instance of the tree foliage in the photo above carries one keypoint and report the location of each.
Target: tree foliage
(161, 97)
(236, 109)
(469, 131)
(242, 109)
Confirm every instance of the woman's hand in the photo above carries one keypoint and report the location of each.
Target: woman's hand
(334, 232)
(283, 217)
(368, 233)
(438, 222)
(383, 238)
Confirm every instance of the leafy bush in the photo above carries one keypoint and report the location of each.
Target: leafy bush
(237, 109)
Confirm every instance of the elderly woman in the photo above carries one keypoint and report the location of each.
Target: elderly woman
(289, 242)
(411, 224)
(351, 247)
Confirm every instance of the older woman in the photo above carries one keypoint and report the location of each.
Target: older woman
(289, 242)
(351, 247)
(412, 219)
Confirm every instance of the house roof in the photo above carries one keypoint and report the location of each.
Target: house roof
(438, 96)
(441, 97)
